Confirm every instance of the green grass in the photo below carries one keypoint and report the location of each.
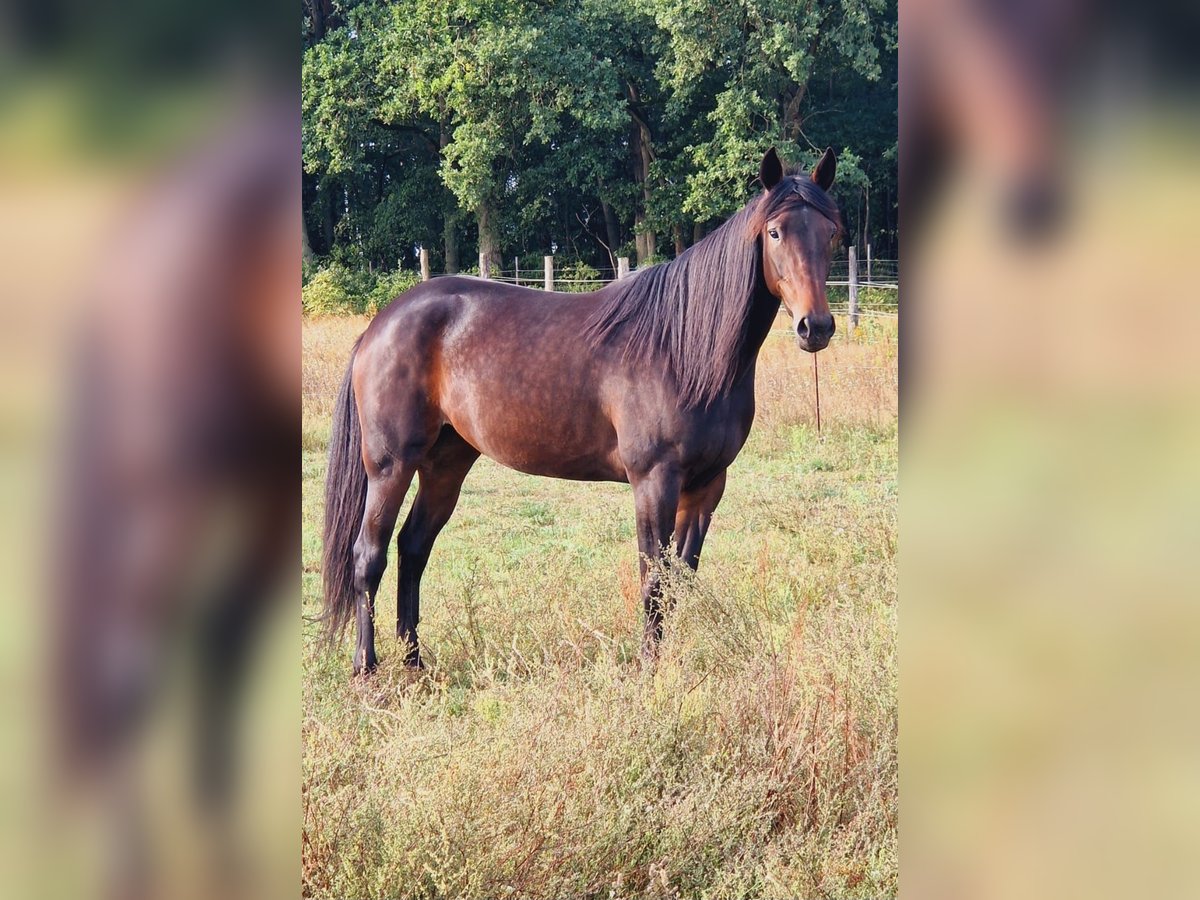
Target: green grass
(536, 758)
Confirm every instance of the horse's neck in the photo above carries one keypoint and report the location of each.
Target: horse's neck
(758, 324)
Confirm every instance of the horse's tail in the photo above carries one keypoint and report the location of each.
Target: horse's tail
(345, 499)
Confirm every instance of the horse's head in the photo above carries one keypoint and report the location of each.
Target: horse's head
(797, 223)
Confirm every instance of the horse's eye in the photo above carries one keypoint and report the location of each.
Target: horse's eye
(773, 233)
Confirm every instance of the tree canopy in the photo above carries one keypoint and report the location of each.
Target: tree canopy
(588, 128)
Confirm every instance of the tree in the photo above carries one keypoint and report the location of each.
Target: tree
(582, 125)
(741, 77)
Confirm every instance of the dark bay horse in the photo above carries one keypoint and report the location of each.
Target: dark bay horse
(649, 381)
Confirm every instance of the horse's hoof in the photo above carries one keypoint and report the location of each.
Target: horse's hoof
(364, 670)
(412, 653)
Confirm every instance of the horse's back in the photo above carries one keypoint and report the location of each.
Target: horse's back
(462, 322)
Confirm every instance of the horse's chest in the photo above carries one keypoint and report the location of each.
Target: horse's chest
(713, 447)
(712, 440)
(651, 429)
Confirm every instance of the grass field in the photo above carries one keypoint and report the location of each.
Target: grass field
(535, 757)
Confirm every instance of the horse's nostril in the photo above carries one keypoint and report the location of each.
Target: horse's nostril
(802, 327)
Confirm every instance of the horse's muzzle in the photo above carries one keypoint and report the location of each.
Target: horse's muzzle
(813, 332)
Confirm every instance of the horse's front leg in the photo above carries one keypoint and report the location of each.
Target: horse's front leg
(656, 500)
(695, 514)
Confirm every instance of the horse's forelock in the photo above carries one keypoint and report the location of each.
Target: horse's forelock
(795, 189)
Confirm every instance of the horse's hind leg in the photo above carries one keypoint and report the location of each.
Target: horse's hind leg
(437, 494)
(385, 495)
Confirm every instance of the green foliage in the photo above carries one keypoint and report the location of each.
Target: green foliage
(339, 290)
(308, 268)
(524, 128)
(325, 293)
(576, 276)
(389, 286)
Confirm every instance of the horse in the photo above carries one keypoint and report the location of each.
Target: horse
(647, 381)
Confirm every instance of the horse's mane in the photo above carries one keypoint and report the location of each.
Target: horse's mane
(694, 313)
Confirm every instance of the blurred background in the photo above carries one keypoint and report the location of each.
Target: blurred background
(1049, 389)
(149, 365)
(149, 422)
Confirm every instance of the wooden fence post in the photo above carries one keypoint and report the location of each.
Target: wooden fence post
(868, 263)
(517, 271)
(485, 266)
(853, 288)
(622, 267)
(424, 264)
(549, 261)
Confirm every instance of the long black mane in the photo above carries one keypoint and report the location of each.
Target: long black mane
(696, 313)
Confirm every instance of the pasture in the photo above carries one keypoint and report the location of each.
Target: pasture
(535, 758)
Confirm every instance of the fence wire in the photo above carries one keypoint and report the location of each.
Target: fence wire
(879, 275)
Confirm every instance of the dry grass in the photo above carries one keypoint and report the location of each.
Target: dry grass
(326, 348)
(857, 372)
(536, 759)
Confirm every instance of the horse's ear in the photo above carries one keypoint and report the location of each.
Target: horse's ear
(770, 171)
(825, 169)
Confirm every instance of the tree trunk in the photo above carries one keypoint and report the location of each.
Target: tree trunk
(316, 9)
(612, 230)
(489, 240)
(791, 113)
(306, 250)
(697, 232)
(450, 240)
(330, 218)
(450, 216)
(677, 234)
(866, 228)
(641, 146)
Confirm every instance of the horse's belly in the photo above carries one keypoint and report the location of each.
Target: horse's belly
(559, 440)
(585, 467)
(542, 455)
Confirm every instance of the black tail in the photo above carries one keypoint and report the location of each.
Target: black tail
(345, 498)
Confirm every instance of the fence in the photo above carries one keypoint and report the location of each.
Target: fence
(870, 290)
